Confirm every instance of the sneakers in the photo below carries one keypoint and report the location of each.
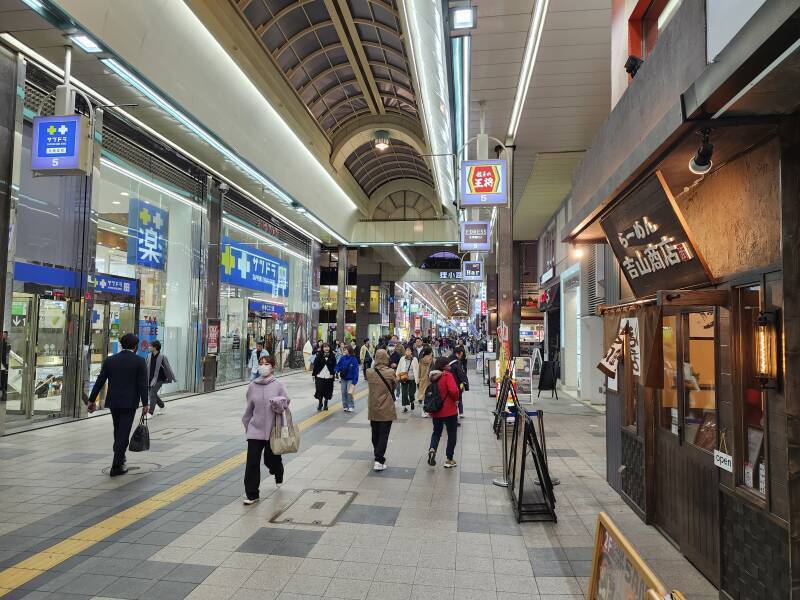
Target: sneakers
(379, 466)
(449, 464)
(161, 410)
(248, 501)
(148, 416)
(424, 415)
(405, 409)
(432, 457)
(461, 416)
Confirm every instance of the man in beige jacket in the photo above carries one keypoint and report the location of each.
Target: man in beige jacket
(381, 411)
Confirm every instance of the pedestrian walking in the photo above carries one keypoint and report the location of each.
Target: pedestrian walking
(347, 370)
(255, 356)
(126, 374)
(324, 372)
(408, 374)
(266, 399)
(458, 369)
(159, 372)
(447, 416)
(367, 350)
(381, 411)
(425, 364)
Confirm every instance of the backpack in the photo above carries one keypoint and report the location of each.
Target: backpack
(433, 401)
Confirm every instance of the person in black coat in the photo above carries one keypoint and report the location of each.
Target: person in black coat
(126, 374)
(324, 372)
(458, 368)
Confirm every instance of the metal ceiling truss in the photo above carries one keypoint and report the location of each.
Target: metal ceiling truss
(344, 59)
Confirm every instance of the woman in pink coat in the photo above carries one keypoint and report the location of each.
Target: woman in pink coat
(266, 401)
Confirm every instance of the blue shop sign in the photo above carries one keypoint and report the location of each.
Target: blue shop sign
(57, 143)
(267, 309)
(147, 230)
(246, 267)
(115, 285)
(52, 276)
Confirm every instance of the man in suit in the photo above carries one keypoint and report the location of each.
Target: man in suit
(126, 374)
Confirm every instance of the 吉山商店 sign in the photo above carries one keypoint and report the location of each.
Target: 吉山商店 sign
(475, 236)
(651, 241)
(61, 145)
(483, 183)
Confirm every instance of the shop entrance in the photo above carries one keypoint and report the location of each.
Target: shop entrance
(37, 347)
(687, 497)
(264, 324)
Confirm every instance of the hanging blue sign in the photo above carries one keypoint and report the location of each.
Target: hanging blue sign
(267, 309)
(147, 231)
(57, 144)
(114, 285)
(244, 266)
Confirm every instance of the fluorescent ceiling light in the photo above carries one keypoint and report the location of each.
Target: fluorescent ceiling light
(330, 231)
(404, 256)
(58, 71)
(463, 18)
(279, 245)
(105, 162)
(34, 4)
(528, 62)
(85, 43)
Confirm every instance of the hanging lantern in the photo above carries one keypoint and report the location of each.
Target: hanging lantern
(766, 348)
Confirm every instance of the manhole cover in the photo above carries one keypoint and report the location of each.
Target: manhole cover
(315, 507)
(170, 432)
(137, 469)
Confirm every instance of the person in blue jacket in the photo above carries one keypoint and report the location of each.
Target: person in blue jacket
(347, 370)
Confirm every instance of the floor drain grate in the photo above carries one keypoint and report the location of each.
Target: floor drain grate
(315, 507)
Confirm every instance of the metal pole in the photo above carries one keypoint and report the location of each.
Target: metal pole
(503, 481)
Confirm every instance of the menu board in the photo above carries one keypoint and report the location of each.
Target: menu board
(618, 572)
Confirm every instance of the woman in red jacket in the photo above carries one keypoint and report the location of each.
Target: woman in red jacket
(448, 415)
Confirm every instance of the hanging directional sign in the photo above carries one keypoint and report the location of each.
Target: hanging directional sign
(61, 145)
(475, 236)
(484, 183)
(472, 270)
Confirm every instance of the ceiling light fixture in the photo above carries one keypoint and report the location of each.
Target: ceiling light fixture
(701, 162)
(124, 194)
(381, 140)
(85, 43)
(404, 256)
(528, 62)
(463, 19)
(266, 240)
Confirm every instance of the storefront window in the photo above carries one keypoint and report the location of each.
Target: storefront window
(753, 473)
(264, 293)
(699, 380)
(669, 395)
(374, 298)
(149, 230)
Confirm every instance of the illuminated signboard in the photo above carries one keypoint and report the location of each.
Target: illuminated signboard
(61, 145)
(472, 270)
(475, 236)
(484, 183)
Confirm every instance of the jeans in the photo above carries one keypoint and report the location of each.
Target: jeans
(380, 439)
(408, 390)
(347, 398)
(154, 397)
(452, 432)
(252, 470)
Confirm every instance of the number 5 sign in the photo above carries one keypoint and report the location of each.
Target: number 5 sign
(484, 183)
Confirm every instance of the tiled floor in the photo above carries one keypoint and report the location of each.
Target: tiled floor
(412, 531)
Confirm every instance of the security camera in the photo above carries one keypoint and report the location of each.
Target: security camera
(633, 64)
(224, 187)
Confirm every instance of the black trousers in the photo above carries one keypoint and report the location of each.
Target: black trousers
(380, 439)
(252, 471)
(451, 423)
(123, 423)
(154, 397)
(324, 388)
(408, 389)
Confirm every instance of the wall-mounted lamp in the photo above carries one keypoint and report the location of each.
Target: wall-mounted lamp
(463, 19)
(700, 164)
(633, 64)
(577, 252)
(766, 350)
(381, 140)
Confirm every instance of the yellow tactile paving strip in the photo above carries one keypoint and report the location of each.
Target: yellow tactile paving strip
(30, 568)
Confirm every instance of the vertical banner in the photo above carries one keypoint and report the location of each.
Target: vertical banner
(147, 231)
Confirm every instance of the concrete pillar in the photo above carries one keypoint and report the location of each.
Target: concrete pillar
(505, 258)
(214, 203)
(313, 317)
(341, 303)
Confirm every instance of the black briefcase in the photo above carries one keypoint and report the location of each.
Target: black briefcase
(140, 440)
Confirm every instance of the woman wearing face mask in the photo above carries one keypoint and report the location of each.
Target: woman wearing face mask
(323, 373)
(266, 401)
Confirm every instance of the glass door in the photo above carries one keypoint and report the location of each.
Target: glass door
(122, 321)
(98, 349)
(51, 348)
(20, 355)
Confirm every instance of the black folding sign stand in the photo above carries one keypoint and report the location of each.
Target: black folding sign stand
(502, 399)
(542, 507)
